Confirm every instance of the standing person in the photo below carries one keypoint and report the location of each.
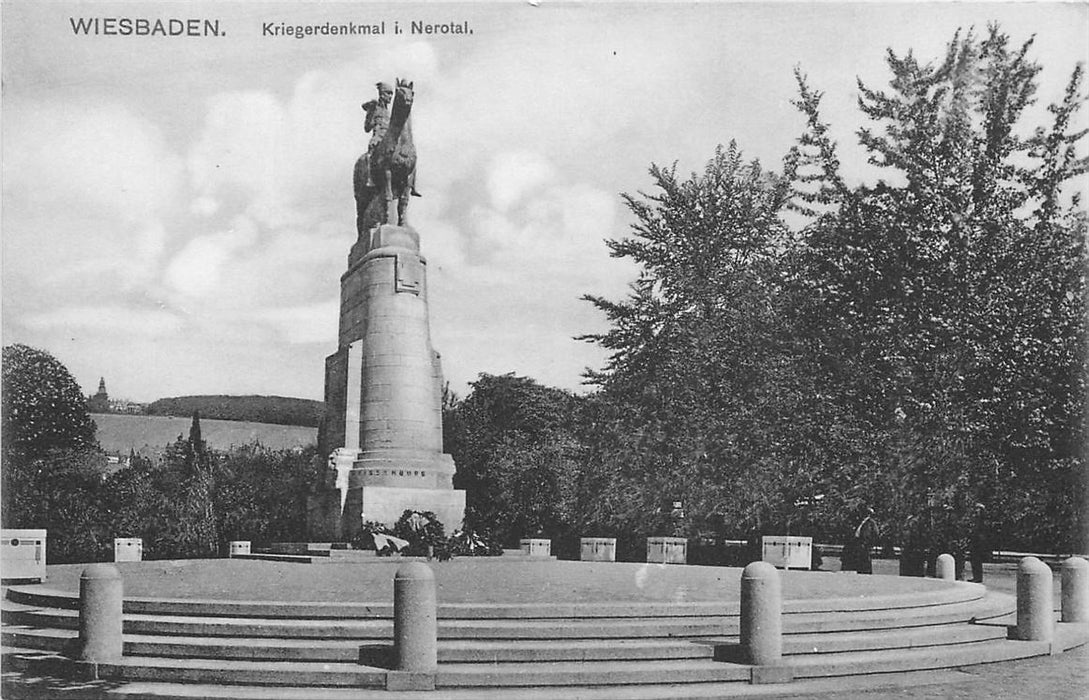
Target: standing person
(914, 550)
(979, 543)
(865, 538)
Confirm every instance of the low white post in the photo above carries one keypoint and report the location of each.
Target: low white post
(415, 618)
(100, 613)
(946, 567)
(1035, 609)
(1075, 590)
(761, 614)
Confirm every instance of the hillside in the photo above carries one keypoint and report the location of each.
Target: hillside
(117, 434)
(278, 410)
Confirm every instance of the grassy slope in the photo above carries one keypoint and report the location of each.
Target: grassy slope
(120, 433)
(281, 410)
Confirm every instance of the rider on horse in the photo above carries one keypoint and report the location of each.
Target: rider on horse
(376, 123)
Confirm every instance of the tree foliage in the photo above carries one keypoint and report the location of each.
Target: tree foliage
(953, 303)
(701, 396)
(515, 446)
(917, 346)
(258, 409)
(43, 406)
(52, 469)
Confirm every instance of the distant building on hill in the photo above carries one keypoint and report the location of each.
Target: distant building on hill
(99, 402)
(126, 406)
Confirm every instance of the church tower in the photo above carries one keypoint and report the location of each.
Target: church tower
(100, 402)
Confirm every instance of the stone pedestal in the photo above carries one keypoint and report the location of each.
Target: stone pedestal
(534, 547)
(787, 552)
(383, 396)
(598, 549)
(667, 550)
(22, 554)
(128, 549)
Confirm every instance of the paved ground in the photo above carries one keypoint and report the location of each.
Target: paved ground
(465, 580)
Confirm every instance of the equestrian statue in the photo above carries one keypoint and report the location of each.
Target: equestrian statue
(385, 176)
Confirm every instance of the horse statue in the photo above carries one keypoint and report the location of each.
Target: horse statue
(385, 176)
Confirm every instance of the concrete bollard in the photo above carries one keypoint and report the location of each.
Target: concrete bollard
(1075, 590)
(946, 567)
(415, 623)
(100, 601)
(1035, 611)
(761, 615)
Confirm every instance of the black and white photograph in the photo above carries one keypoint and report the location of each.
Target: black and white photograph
(538, 349)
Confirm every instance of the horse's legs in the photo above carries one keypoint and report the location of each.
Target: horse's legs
(359, 184)
(402, 208)
(390, 210)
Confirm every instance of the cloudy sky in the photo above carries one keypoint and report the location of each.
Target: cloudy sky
(177, 212)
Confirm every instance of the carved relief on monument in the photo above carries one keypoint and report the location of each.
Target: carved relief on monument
(409, 274)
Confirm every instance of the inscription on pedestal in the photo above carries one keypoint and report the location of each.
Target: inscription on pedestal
(409, 274)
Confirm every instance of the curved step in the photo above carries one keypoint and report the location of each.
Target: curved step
(992, 606)
(482, 647)
(267, 673)
(922, 659)
(943, 594)
(278, 649)
(906, 638)
(515, 675)
(695, 673)
(350, 651)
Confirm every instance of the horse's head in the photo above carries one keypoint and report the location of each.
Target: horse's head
(403, 95)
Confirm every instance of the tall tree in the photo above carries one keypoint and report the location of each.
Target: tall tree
(950, 298)
(701, 389)
(52, 468)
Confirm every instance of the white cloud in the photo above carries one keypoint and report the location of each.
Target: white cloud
(239, 149)
(94, 183)
(205, 206)
(124, 322)
(514, 174)
(97, 154)
(309, 323)
(197, 270)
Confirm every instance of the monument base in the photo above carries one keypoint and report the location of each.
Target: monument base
(323, 516)
(386, 504)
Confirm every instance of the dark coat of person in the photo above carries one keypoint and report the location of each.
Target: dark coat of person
(865, 537)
